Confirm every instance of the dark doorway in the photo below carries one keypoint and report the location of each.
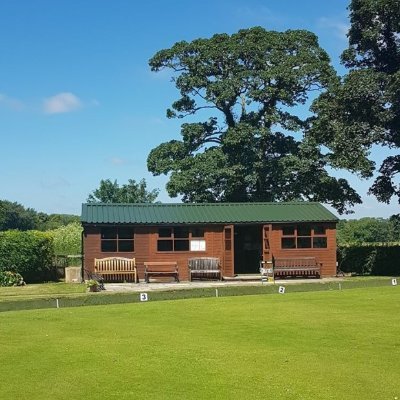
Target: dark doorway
(248, 249)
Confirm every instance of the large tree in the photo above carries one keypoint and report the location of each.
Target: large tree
(132, 192)
(364, 109)
(16, 216)
(250, 89)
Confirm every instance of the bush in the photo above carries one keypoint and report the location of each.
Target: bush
(28, 253)
(370, 259)
(67, 239)
(9, 278)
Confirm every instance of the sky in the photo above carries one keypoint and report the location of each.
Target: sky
(78, 102)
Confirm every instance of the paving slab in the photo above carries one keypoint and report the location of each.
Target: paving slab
(163, 286)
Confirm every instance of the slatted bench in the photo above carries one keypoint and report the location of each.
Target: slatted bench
(204, 267)
(116, 268)
(299, 266)
(161, 269)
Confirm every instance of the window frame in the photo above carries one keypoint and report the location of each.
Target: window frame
(117, 240)
(195, 233)
(303, 238)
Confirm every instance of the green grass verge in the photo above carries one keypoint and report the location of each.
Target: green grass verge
(42, 289)
(316, 345)
(75, 295)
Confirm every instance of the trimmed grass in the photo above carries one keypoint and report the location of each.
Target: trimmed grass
(73, 295)
(315, 345)
(41, 289)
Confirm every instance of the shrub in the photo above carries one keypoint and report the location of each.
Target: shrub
(67, 239)
(28, 253)
(370, 259)
(9, 278)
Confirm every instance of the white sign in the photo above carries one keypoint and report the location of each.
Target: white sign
(281, 289)
(394, 282)
(143, 297)
(265, 271)
(198, 245)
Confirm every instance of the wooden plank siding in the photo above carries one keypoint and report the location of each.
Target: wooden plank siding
(327, 256)
(145, 249)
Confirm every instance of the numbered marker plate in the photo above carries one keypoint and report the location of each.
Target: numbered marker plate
(281, 289)
(144, 297)
(394, 282)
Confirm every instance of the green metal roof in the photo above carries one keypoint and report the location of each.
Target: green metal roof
(202, 213)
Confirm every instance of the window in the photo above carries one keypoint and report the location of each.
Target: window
(304, 236)
(181, 239)
(117, 240)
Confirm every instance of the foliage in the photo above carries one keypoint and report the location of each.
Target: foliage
(132, 192)
(364, 110)
(28, 253)
(9, 278)
(368, 230)
(254, 146)
(372, 259)
(53, 221)
(16, 216)
(67, 239)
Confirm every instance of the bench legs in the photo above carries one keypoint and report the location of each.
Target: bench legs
(148, 275)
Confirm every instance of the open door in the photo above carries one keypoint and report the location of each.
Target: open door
(228, 251)
(267, 230)
(248, 249)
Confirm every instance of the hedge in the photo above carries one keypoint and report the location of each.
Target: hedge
(370, 259)
(28, 253)
(67, 239)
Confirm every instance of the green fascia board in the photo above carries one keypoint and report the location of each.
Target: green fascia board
(205, 213)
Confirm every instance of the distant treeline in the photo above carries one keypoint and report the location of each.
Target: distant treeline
(15, 216)
(369, 230)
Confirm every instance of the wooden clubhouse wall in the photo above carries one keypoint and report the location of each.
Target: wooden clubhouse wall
(219, 243)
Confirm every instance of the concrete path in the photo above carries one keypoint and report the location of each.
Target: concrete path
(161, 286)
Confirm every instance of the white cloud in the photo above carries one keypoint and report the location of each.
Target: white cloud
(11, 103)
(61, 103)
(55, 183)
(339, 27)
(118, 161)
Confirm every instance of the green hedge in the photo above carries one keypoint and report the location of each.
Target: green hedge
(29, 253)
(372, 259)
(67, 239)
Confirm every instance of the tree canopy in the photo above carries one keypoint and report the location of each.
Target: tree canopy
(132, 192)
(15, 216)
(364, 109)
(368, 230)
(252, 144)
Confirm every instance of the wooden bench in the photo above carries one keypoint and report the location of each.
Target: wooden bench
(161, 269)
(116, 268)
(299, 266)
(204, 267)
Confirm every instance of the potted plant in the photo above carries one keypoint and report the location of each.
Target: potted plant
(93, 285)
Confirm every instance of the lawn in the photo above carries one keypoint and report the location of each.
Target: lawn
(315, 345)
(40, 290)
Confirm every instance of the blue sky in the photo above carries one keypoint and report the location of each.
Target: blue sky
(78, 102)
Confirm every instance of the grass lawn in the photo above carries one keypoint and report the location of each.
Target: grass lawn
(315, 345)
(40, 289)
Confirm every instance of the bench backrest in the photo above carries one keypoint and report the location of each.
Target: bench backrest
(204, 263)
(162, 266)
(300, 262)
(114, 264)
